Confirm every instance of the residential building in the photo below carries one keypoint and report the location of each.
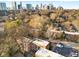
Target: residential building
(29, 6)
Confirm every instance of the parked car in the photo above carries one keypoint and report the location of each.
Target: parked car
(65, 50)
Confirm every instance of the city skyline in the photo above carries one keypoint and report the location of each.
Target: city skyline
(64, 4)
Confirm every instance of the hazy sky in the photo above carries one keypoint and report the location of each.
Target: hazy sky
(64, 4)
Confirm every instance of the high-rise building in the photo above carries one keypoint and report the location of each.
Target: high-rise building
(20, 5)
(37, 7)
(50, 7)
(3, 9)
(3, 6)
(41, 6)
(29, 6)
(44, 6)
(13, 6)
(60, 8)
